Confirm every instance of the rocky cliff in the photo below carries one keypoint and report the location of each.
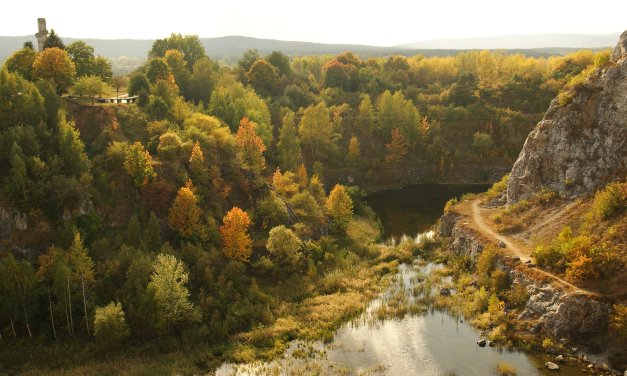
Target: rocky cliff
(580, 146)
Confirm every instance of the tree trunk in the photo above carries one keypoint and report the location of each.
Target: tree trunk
(26, 319)
(54, 330)
(22, 293)
(67, 317)
(85, 303)
(69, 298)
(13, 327)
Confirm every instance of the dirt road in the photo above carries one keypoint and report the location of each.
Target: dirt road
(480, 221)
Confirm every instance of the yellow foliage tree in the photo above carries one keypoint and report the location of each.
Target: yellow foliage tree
(234, 232)
(340, 206)
(55, 64)
(354, 152)
(184, 215)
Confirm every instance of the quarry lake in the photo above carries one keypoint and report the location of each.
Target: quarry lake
(415, 208)
(401, 332)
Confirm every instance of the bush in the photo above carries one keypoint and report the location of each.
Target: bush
(499, 281)
(485, 264)
(497, 189)
(110, 324)
(610, 201)
(505, 369)
(449, 204)
(618, 320)
(517, 296)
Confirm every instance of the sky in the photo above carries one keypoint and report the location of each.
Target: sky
(379, 23)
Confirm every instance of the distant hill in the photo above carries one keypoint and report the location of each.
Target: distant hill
(230, 48)
(521, 41)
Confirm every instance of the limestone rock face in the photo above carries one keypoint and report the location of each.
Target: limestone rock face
(581, 146)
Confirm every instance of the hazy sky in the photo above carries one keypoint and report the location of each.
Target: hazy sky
(384, 22)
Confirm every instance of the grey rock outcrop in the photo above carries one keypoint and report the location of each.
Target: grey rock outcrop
(580, 146)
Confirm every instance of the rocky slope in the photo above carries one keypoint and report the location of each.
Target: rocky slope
(582, 145)
(580, 319)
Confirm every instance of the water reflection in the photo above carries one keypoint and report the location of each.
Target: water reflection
(400, 333)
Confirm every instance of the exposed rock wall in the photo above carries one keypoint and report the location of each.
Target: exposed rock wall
(581, 146)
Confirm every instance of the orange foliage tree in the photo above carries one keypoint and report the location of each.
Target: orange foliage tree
(184, 215)
(250, 146)
(234, 232)
(397, 148)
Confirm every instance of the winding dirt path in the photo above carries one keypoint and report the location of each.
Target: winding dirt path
(513, 247)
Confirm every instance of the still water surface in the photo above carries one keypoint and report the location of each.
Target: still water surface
(412, 210)
(426, 342)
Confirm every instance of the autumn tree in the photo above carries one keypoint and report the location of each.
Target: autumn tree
(189, 45)
(86, 63)
(21, 61)
(303, 178)
(251, 146)
(618, 320)
(55, 64)
(289, 144)
(197, 164)
(234, 232)
(48, 262)
(138, 164)
(263, 77)
(83, 266)
(482, 143)
(158, 69)
(152, 234)
(202, 80)
(280, 61)
(17, 282)
(366, 117)
(354, 152)
(178, 66)
(316, 130)
(397, 148)
(340, 206)
(184, 215)
(119, 82)
(284, 246)
(167, 283)
(91, 86)
(110, 324)
(137, 83)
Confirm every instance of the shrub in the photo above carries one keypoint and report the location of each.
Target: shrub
(618, 320)
(110, 324)
(499, 281)
(449, 204)
(505, 369)
(602, 58)
(517, 296)
(497, 189)
(485, 264)
(547, 255)
(610, 201)
(547, 343)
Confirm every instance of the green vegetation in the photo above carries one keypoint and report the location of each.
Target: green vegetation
(505, 369)
(515, 217)
(200, 219)
(594, 250)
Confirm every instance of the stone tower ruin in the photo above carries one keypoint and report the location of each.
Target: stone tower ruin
(42, 34)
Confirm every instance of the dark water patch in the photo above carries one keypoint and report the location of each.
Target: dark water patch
(413, 209)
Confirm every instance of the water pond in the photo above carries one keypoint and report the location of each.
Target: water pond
(400, 332)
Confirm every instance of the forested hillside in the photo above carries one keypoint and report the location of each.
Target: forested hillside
(225, 201)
